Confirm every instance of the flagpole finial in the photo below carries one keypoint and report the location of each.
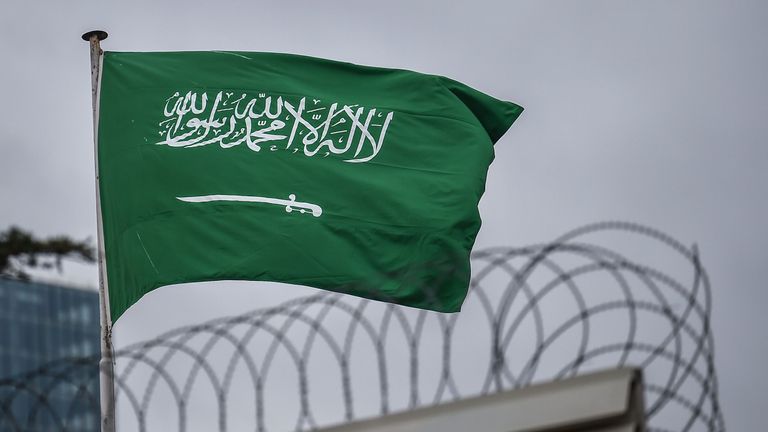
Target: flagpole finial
(100, 35)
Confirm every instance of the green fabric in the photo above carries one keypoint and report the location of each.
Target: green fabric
(200, 152)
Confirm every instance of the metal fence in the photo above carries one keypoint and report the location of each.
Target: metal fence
(536, 313)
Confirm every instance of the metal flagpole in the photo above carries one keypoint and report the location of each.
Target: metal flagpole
(106, 364)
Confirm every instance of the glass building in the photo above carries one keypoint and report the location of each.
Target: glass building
(49, 345)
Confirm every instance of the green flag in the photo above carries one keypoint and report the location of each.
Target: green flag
(275, 167)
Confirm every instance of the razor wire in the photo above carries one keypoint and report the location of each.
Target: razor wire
(533, 314)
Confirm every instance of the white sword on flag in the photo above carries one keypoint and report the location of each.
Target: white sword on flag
(106, 364)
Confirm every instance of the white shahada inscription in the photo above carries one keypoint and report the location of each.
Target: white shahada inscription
(267, 123)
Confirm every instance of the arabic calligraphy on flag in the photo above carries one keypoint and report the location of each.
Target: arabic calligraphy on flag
(264, 122)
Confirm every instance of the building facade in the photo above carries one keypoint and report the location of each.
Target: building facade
(43, 325)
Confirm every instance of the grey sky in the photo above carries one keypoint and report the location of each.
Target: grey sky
(644, 111)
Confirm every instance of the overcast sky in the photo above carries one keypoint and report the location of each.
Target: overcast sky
(652, 112)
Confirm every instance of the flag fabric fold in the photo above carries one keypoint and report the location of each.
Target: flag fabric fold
(275, 167)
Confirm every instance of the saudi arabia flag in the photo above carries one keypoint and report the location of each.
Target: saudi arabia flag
(274, 167)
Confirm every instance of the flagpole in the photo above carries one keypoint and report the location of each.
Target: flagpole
(106, 364)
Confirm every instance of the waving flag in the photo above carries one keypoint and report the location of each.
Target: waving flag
(274, 167)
